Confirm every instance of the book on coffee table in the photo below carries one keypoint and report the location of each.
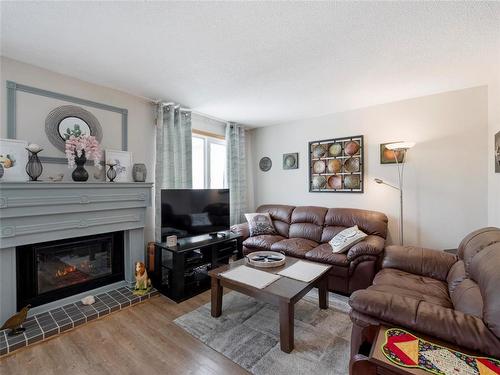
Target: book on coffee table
(250, 276)
(304, 271)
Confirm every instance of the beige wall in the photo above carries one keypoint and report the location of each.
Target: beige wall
(140, 114)
(446, 179)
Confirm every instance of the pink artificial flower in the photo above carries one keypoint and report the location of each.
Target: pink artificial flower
(87, 143)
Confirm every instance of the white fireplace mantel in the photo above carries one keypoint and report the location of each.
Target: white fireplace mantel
(33, 212)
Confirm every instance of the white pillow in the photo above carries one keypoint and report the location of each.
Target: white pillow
(344, 240)
(259, 224)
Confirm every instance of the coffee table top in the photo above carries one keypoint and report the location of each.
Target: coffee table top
(284, 288)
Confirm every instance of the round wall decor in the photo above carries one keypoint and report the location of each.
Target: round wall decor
(67, 120)
(265, 164)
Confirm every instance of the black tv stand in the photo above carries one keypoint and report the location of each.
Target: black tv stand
(181, 272)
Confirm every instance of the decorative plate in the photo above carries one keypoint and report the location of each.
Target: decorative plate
(335, 149)
(318, 151)
(351, 165)
(265, 164)
(335, 182)
(351, 148)
(352, 181)
(334, 165)
(319, 166)
(266, 259)
(318, 182)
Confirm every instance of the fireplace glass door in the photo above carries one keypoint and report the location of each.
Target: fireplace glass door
(73, 263)
(49, 271)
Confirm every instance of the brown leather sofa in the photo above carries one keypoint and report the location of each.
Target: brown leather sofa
(452, 298)
(304, 232)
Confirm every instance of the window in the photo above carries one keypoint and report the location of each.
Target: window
(209, 162)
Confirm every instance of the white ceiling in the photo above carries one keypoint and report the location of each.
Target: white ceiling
(261, 63)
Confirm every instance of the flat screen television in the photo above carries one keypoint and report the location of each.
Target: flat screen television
(192, 212)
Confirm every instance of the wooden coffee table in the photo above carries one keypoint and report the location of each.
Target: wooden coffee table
(284, 292)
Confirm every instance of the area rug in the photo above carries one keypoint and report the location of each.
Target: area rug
(248, 334)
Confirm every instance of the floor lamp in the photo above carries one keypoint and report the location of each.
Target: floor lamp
(399, 150)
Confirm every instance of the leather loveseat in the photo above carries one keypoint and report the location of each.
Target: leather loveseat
(452, 298)
(304, 231)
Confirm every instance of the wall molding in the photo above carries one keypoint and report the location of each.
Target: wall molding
(14, 87)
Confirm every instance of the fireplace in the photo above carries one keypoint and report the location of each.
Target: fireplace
(49, 271)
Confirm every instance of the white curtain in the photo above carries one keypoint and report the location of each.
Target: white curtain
(236, 170)
(173, 169)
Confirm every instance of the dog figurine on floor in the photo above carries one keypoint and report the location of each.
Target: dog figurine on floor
(142, 282)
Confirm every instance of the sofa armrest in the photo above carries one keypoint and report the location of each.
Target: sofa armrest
(444, 323)
(419, 261)
(371, 245)
(241, 229)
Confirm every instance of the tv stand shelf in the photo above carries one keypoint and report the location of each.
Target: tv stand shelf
(181, 272)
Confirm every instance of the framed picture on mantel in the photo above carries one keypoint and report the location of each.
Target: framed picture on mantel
(13, 160)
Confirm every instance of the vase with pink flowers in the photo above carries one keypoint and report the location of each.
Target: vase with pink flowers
(78, 150)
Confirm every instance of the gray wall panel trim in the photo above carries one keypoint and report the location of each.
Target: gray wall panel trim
(13, 87)
(83, 199)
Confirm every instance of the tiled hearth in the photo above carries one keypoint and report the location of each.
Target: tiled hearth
(45, 325)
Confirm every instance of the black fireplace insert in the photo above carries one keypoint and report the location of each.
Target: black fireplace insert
(49, 271)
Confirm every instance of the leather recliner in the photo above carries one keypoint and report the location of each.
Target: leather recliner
(304, 231)
(452, 298)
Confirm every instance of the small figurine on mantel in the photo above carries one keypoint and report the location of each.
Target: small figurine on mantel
(15, 322)
(142, 282)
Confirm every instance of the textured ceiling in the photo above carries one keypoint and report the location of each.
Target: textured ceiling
(261, 63)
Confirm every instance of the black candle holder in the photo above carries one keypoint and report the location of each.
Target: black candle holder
(111, 173)
(34, 166)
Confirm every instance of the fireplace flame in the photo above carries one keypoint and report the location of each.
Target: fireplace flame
(64, 271)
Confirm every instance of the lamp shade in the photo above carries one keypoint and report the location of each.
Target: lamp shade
(400, 145)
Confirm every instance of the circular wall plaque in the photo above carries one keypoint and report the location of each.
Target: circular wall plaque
(265, 164)
(67, 120)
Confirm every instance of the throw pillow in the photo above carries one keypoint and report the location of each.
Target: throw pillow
(346, 239)
(259, 224)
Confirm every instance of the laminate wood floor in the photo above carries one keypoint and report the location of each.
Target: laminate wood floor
(141, 339)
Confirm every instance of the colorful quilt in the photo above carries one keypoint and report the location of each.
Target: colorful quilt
(407, 350)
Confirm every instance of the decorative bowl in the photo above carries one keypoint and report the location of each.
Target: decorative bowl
(335, 182)
(352, 181)
(351, 148)
(266, 259)
(334, 165)
(318, 151)
(318, 182)
(352, 165)
(319, 166)
(335, 149)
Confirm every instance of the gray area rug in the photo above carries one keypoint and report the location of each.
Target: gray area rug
(248, 334)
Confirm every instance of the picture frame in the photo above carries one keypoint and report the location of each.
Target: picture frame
(387, 156)
(497, 152)
(291, 160)
(123, 167)
(336, 165)
(13, 158)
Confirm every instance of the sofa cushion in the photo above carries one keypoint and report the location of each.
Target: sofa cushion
(262, 242)
(307, 222)
(413, 286)
(475, 242)
(281, 216)
(370, 222)
(323, 254)
(484, 269)
(455, 276)
(466, 297)
(419, 261)
(260, 223)
(444, 323)
(296, 247)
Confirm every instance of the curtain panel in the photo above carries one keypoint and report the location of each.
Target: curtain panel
(173, 168)
(236, 171)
